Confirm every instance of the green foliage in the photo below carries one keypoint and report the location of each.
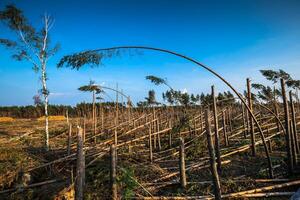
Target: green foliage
(223, 99)
(184, 99)
(127, 182)
(182, 124)
(195, 98)
(90, 87)
(30, 42)
(265, 93)
(8, 43)
(156, 80)
(14, 18)
(142, 104)
(275, 76)
(205, 99)
(77, 60)
(93, 58)
(37, 111)
(178, 97)
(253, 96)
(169, 97)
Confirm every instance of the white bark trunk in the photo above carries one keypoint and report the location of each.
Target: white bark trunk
(43, 60)
(45, 94)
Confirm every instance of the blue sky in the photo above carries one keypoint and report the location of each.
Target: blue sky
(234, 37)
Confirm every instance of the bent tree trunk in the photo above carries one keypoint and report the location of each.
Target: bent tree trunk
(118, 48)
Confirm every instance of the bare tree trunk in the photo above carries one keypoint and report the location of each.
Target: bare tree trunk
(117, 107)
(276, 109)
(170, 134)
(213, 168)
(182, 164)
(244, 123)
(84, 127)
(253, 147)
(201, 119)
(102, 117)
(69, 138)
(80, 167)
(43, 60)
(216, 123)
(158, 134)
(294, 123)
(293, 144)
(122, 108)
(229, 119)
(224, 128)
(287, 128)
(94, 116)
(150, 145)
(67, 115)
(116, 137)
(247, 122)
(46, 101)
(297, 107)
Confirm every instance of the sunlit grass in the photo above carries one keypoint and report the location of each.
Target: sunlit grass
(53, 118)
(6, 119)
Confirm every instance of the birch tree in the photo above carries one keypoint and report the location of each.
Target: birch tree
(31, 45)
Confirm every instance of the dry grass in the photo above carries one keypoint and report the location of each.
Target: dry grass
(53, 118)
(6, 119)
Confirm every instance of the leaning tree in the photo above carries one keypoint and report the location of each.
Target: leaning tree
(32, 45)
(275, 77)
(95, 57)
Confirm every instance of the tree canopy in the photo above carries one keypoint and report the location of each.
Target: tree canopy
(275, 76)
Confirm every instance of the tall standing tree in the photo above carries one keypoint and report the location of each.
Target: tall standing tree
(31, 45)
(184, 99)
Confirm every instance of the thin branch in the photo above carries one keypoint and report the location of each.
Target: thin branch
(27, 44)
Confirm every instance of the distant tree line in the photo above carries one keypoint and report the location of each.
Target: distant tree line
(178, 98)
(31, 111)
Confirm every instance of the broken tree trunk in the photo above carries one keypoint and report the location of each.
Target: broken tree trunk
(293, 145)
(253, 148)
(182, 164)
(150, 145)
(158, 135)
(216, 123)
(224, 128)
(276, 109)
(80, 166)
(213, 168)
(294, 123)
(244, 123)
(170, 135)
(69, 138)
(287, 128)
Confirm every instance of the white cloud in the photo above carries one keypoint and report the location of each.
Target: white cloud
(60, 94)
(184, 90)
